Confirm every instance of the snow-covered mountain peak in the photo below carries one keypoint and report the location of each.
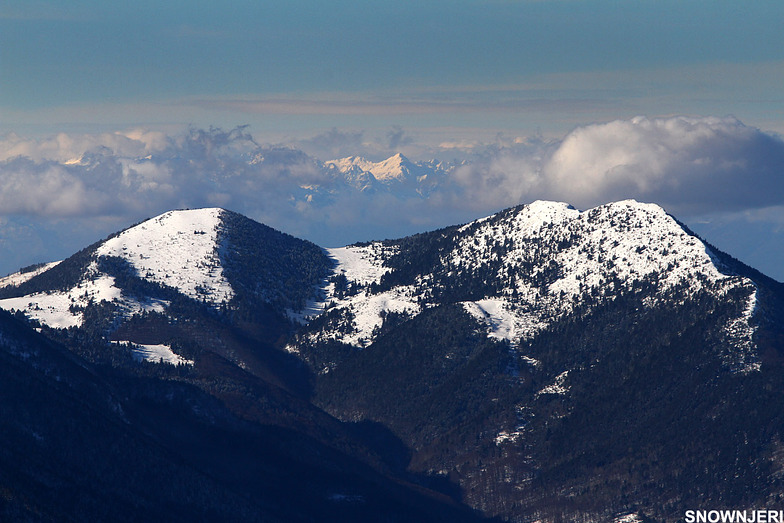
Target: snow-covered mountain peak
(393, 168)
(624, 240)
(521, 269)
(544, 206)
(541, 212)
(216, 257)
(178, 249)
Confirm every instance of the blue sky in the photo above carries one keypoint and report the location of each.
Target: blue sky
(469, 63)
(467, 73)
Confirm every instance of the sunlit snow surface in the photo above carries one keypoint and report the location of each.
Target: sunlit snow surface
(178, 249)
(156, 353)
(20, 277)
(364, 265)
(599, 251)
(389, 169)
(61, 310)
(628, 518)
(558, 386)
(504, 321)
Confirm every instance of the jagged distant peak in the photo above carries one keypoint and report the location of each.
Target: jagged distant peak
(396, 159)
(350, 162)
(395, 167)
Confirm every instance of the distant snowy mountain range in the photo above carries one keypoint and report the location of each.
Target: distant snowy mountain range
(525, 358)
(396, 172)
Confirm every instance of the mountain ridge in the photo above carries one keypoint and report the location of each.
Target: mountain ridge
(520, 266)
(597, 251)
(187, 251)
(397, 171)
(495, 362)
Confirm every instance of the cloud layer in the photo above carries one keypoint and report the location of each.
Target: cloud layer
(688, 165)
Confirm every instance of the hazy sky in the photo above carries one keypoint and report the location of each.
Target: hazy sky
(431, 78)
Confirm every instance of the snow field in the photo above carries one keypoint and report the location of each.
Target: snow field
(589, 251)
(178, 249)
(18, 278)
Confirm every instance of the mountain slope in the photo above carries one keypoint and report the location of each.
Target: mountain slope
(72, 452)
(540, 358)
(540, 364)
(80, 443)
(519, 270)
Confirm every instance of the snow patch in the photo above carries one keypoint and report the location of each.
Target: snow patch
(628, 518)
(361, 264)
(558, 386)
(502, 319)
(506, 436)
(155, 353)
(739, 333)
(19, 278)
(61, 310)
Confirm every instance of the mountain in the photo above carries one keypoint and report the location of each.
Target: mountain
(212, 256)
(396, 172)
(161, 272)
(518, 271)
(555, 362)
(83, 443)
(215, 426)
(539, 364)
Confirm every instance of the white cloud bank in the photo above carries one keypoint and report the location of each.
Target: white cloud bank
(105, 181)
(688, 165)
